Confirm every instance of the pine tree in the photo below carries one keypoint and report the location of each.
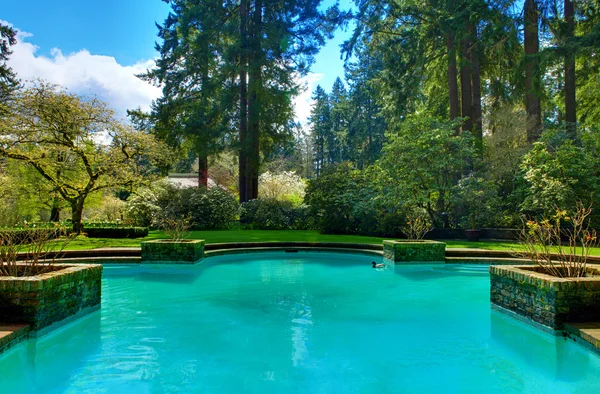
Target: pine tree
(8, 78)
(320, 127)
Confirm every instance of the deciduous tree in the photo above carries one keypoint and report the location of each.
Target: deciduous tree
(76, 144)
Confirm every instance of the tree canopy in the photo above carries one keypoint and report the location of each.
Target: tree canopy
(76, 144)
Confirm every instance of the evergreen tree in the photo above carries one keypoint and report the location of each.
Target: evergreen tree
(340, 115)
(193, 113)
(320, 123)
(8, 78)
(366, 125)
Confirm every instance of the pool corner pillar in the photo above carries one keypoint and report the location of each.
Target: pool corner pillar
(400, 252)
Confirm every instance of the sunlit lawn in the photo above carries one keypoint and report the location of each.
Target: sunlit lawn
(226, 236)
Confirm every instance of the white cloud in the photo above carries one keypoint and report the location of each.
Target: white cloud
(84, 73)
(303, 102)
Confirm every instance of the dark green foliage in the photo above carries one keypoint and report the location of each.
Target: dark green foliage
(116, 232)
(25, 236)
(345, 201)
(8, 78)
(271, 214)
(207, 208)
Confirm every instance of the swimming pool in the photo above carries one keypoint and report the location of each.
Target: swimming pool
(302, 322)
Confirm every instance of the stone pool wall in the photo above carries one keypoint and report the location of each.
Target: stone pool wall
(414, 251)
(543, 298)
(176, 252)
(48, 298)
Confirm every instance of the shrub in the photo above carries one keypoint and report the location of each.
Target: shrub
(544, 242)
(285, 186)
(344, 201)
(559, 172)
(142, 207)
(474, 201)
(116, 232)
(206, 208)
(272, 214)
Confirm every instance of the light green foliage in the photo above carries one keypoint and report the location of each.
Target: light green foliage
(421, 163)
(61, 135)
(223, 171)
(108, 208)
(559, 173)
(285, 186)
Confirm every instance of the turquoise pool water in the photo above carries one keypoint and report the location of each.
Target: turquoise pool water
(297, 323)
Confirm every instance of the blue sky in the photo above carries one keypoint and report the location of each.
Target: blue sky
(95, 46)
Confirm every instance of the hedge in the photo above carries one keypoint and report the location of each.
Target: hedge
(116, 232)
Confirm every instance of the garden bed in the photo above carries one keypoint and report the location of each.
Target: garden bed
(50, 297)
(414, 251)
(187, 251)
(545, 299)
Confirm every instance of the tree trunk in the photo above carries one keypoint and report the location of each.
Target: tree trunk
(476, 92)
(452, 77)
(55, 210)
(242, 164)
(254, 105)
(77, 214)
(532, 71)
(570, 102)
(55, 214)
(465, 84)
(202, 170)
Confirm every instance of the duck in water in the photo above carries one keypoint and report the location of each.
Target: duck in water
(375, 265)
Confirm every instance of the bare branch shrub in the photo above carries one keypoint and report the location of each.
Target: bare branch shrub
(417, 224)
(175, 228)
(562, 250)
(28, 251)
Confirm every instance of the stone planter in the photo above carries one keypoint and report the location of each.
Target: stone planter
(473, 235)
(44, 299)
(414, 251)
(166, 251)
(545, 299)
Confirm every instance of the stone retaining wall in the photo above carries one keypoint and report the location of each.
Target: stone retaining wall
(414, 251)
(51, 297)
(543, 298)
(175, 252)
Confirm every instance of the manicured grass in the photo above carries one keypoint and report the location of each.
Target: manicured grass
(225, 236)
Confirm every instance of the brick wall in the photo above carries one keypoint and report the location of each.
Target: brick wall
(51, 297)
(543, 298)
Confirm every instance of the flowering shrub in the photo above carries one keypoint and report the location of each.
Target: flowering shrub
(286, 186)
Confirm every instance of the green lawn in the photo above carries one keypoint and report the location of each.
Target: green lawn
(224, 236)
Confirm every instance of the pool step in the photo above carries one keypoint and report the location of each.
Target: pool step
(11, 334)
(588, 334)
